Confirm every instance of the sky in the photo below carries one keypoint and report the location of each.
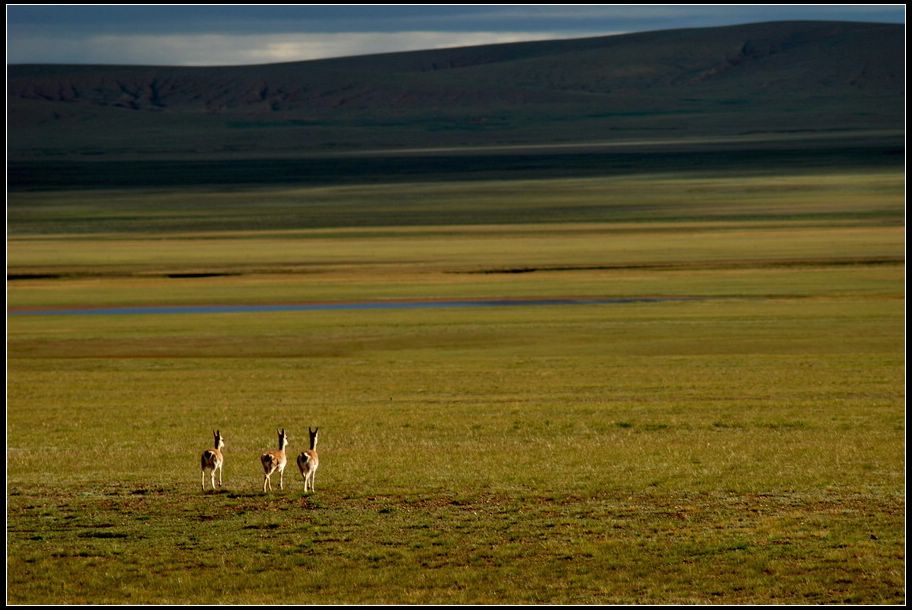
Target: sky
(207, 35)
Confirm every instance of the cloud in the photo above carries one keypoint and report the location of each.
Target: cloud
(227, 49)
(246, 34)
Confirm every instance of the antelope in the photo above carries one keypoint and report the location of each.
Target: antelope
(308, 461)
(275, 460)
(212, 460)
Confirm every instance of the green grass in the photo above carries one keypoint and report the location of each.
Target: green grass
(744, 448)
(703, 453)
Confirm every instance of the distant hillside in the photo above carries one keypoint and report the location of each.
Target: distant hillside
(759, 78)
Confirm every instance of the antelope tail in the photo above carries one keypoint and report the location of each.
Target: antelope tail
(206, 458)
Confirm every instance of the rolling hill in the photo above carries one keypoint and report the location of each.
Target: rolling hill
(740, 81)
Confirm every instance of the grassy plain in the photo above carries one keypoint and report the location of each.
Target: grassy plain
(743, 447)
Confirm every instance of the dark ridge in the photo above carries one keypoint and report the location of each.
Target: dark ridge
(781, 77)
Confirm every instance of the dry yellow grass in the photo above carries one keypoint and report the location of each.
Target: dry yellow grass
(746, 447)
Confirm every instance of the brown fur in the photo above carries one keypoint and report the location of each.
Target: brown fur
(212, 460)
(308, 461)
(275, 460)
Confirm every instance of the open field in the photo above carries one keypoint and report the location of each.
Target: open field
(747, 447)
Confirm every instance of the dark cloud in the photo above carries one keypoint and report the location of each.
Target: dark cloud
(68, 33)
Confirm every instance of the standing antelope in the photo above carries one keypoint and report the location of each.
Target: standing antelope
(275, 460)
(212, 460)
(308, 460)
